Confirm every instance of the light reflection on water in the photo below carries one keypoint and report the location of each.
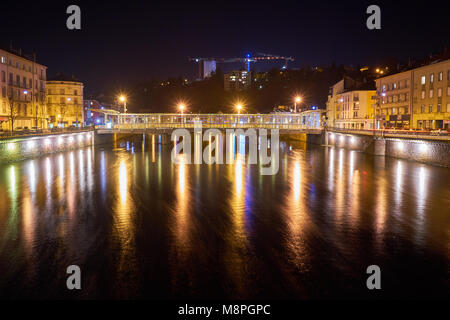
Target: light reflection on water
(142, 226)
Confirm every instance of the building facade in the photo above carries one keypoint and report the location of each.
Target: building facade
(65, 102)
(431, 101)
(418, 98)
(23, 89)
(394, 101)
(351, 105)
(237, 80)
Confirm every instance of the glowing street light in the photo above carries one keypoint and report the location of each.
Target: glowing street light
(239, 107)
(123, 99)
(181, 107)
(298, 99)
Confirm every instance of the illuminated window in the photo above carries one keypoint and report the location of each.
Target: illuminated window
(440, 76)
(448, 106)
(431, 93)
(431, 78)
(439, 92)
(422, 80)
(422, 109)
(423, 94)
(430, 108)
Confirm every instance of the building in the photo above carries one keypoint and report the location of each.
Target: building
(22, 98)
(65, 102)
(351, 104)
(237, 80)
(418, 98)
(431, 100)
(394, 101)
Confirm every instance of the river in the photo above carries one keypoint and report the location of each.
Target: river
(140, 226)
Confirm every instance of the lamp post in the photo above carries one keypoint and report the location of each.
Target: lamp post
(239, 108)
(298, 99)
(123, 99)
(181, 107)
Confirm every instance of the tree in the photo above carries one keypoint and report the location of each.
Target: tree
(13, 107)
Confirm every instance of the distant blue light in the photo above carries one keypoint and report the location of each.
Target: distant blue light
(248, 55)
(313, 107)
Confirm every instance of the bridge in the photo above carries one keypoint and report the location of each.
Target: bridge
(306, 122)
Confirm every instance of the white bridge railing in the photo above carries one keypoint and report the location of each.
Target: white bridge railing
(290, 121)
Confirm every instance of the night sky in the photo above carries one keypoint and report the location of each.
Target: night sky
(123, 42)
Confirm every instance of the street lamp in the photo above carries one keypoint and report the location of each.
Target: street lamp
(239, 107)
(123, 99)
(298, 99)
(181, 107)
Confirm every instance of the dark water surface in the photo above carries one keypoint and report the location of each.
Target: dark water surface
(142, 227)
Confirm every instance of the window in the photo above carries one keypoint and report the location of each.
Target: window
(448, 91)
(431, 93)
(432, 78)
(3, 60)
(75, 92)
(439, 92)
(422, 95)
(422, 80)
(406, 83)
(384, 86)
(61, 100)
(439, 107)
(422, 109)
(395, 98)
(430, 108)
(3, 92)
(61, 91)
(3, 76)
(440, 76)
(448, 106)
(394, 86)
(394, 110)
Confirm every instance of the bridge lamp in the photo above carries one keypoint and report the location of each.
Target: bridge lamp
(298, 99)
(123, 99)
(181, 107)
(239, 108)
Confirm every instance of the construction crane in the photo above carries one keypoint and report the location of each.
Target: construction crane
(266, 56)
(208, 65)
